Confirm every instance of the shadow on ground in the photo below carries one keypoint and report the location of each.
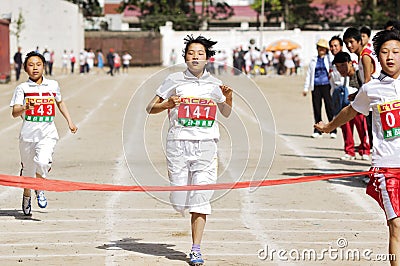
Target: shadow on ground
(154, 249)
(18, 215)
(354, 181)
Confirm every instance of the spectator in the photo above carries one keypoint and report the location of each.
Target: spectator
(46, 55)
(72, 59)
(117, 62)
(318, 80)
(64, 60)
(90, 56)
(100, 60)
(110, 61)
(126, 58)
(345, 67)
(18, 63)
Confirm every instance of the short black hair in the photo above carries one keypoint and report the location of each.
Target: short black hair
(352, 33)
(336, 37)
(207, 43)
(31, 54)
(365, 30)
(341, 57)
(383, 36)
(392, 24)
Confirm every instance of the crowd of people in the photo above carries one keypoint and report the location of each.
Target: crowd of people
(86, 61)
(334, 76)
(254, 61)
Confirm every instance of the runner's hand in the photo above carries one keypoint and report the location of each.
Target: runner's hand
(73, 128)
(226, 91)
(172, 102)
(321, 126)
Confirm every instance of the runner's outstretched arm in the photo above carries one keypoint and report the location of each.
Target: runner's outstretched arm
(344, 116)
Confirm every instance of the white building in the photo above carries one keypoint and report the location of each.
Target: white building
(55, 24)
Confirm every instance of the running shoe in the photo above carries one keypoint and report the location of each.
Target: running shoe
(365, 157)
(195, 259)
(347, 157)
(26, 205)
(41, 199)
(316, 135)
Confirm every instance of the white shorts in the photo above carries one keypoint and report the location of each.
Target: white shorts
(192, 162)
(36, 157)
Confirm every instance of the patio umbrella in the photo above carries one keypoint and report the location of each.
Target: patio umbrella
(281, 45)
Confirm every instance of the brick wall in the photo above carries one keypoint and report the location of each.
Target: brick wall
(145, 47)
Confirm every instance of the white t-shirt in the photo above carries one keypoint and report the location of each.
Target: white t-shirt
(38, 124)
(382, 94)
(126, 58)
(196, 117)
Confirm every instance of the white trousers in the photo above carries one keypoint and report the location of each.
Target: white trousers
(36, 157)
(192, 163)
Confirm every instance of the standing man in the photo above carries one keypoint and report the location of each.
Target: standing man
(343, 77)
(368, 63)
(18, 63)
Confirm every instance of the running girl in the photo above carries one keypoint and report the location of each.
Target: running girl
(34, 101)
(191, 98)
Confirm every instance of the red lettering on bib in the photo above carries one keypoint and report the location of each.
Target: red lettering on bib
(390, 118)
(197, 112)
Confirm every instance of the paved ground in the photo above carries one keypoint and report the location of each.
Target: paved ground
(121, 228)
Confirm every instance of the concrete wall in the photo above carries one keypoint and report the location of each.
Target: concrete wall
(229, 40)
(56, 24)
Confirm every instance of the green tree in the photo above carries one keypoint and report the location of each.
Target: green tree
(376, 13)
(295, 13)
(90, 8)
(182, 13)
(18, 26)
(155, 13)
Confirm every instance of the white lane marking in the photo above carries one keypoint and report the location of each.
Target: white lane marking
(38, 256)
(179, 229)
(205, 242)
(215, 209)
(211, 220)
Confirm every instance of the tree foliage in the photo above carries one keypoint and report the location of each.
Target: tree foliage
(182, 13)
(154, 14)
(375, 13)
(18, 26)
(295, 13)
(90, 8)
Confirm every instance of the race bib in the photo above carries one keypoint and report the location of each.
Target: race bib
(390, 118)
(40, 109)
(197, 112)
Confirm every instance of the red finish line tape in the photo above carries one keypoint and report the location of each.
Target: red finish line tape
(63, 186)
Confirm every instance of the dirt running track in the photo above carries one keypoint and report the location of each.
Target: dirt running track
(123, 228)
